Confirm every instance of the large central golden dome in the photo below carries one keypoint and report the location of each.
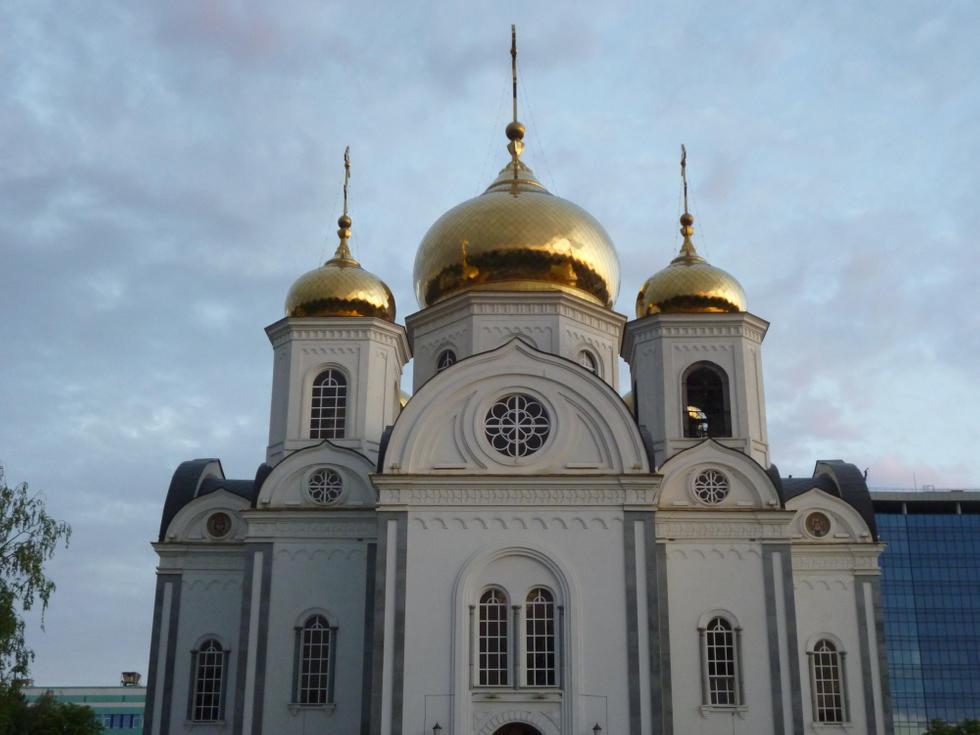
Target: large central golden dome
(516, 236)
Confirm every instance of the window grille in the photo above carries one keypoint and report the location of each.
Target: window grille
(209, 671)
(540, 639)
(316, 639)
(328, 409)
(711, 487)
(517, 425)
(720, 672)
(706, 401)
(587, 360)
(827, 680)
(494, 665)
(447, 358)
(325, 486)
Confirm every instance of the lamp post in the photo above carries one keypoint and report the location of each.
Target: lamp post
(597, 730)
(436, 729)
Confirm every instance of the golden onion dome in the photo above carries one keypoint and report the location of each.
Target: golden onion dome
(340, 287)
(690, 285)
(516, 236)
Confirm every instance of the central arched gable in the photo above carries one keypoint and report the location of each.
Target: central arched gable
(582, 425)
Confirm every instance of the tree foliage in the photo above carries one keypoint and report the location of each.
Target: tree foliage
(967, 727)
(28, 539)
(47, 716)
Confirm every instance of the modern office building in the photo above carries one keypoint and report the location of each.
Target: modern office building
(120, 708)
(931, 603)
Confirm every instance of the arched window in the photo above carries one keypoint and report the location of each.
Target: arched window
(706, 402)
(447, 358)
(827, 683)
(315, 663)
(720, 671)
(540, 639)
(587, 360)
(207, 704)
(494, 664)
(328, 409)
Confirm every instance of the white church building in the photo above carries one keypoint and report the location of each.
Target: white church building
(517, 549)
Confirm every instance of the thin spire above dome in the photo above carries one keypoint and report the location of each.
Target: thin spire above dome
(343, 256)
(516, 237)
(340, 287)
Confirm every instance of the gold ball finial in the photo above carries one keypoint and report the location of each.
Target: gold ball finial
(515, 131)
(687, 224)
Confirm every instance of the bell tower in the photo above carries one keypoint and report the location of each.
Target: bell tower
(695, 356)
(338, 356)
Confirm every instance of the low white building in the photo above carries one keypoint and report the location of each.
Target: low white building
(517, 549)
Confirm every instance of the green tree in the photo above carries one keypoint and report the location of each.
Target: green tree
(28, 539)
(48, 716)
(967, 727)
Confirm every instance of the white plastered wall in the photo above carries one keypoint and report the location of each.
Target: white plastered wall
(660, 348)
(825, 574)
(370, 352)
(478, 321)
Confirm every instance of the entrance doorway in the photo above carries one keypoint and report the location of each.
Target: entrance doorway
(517, 728)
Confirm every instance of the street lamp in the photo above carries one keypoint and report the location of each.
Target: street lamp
(436, 729)
(597, 730)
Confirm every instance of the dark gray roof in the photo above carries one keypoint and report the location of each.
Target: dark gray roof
(193, 480)
(839, 478)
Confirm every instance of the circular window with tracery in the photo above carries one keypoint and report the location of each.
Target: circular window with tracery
(711, 487)
(324, 486)
(517, 425)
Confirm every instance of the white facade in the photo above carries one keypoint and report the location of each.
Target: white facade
(516, 550)
(637, 564)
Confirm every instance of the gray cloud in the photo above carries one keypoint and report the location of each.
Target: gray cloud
(167, 170)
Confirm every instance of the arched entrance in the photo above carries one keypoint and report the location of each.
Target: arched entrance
(517, 728)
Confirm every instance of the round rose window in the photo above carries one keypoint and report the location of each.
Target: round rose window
(324, 486)
(711, 487)
(517, 425)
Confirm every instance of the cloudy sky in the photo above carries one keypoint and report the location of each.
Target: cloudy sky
(167, 169)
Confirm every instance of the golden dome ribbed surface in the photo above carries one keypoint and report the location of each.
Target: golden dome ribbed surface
(690, 285)
(340, 287)
(517, 236)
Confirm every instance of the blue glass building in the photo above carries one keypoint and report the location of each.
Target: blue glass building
(931, 604)
(119, 709)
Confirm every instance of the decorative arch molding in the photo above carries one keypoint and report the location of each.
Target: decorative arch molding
(526, 717)
(309, 612)
(466, 588)
(189, 522)
(443, 431)
(847, 525)
(284, 485)
(751, 485)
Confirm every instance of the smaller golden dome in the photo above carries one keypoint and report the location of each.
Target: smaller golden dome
(690, 285)
(340, 287)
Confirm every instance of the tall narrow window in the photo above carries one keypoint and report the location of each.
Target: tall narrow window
(827, 683)
(720, 663)
(494, 659)
(314, 661)
(706, 402)
(539, 614)
(447, 358)
(328, 409)
(587, 360)
(209, 671)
